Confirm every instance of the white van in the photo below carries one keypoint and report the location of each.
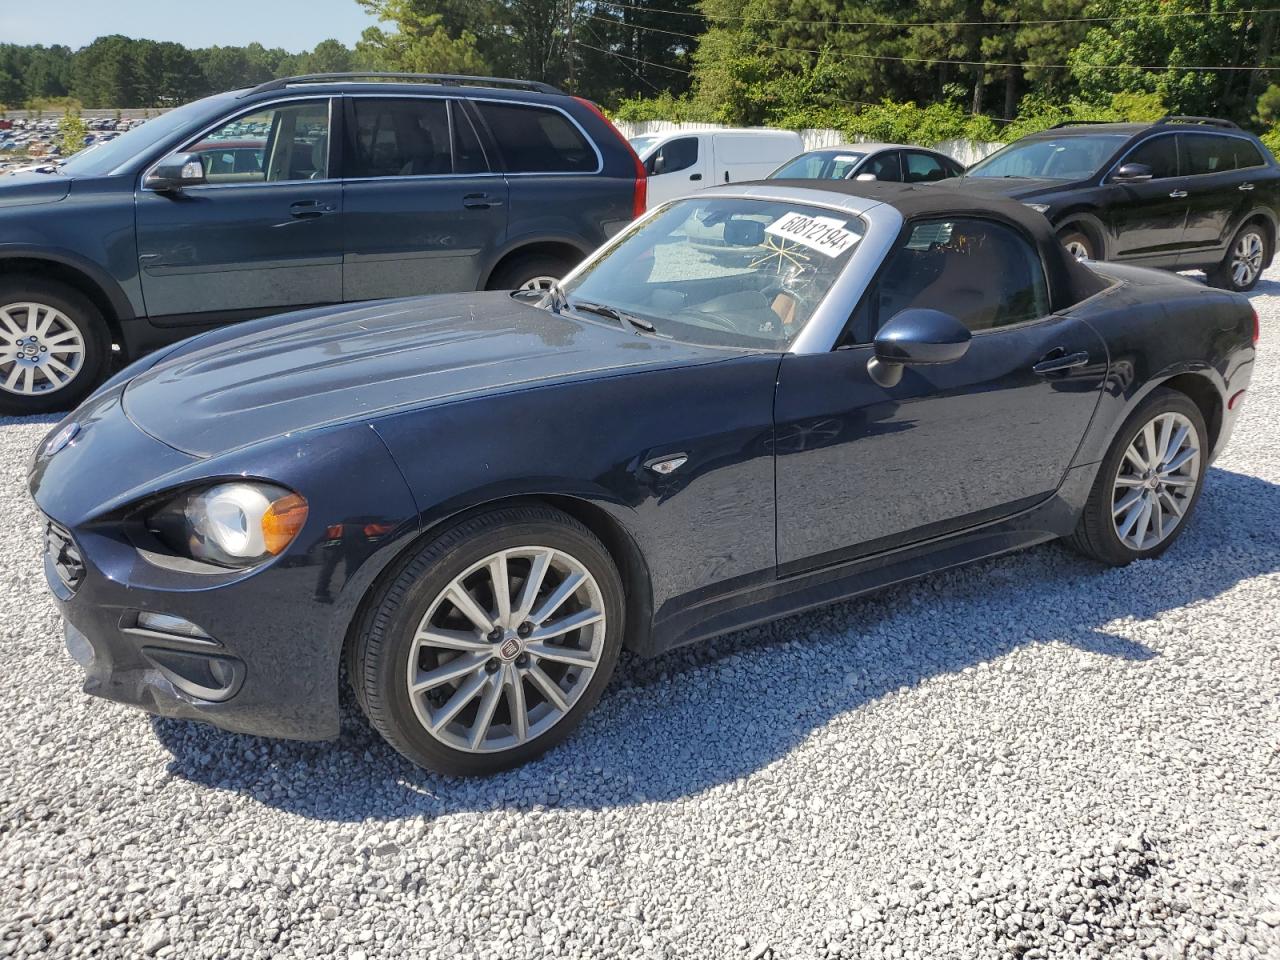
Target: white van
(687, 160)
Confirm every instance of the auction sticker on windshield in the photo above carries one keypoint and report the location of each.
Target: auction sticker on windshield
(825, 234)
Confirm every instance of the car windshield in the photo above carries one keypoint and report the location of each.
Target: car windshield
(641, 144)
(722, 271)
(1051, 158)
(819, 165)
(103, 159)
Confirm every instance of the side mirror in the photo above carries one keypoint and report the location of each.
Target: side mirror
(174, 172)
(659, 164)
(1132, 173)
(866, 176)
(916, 336)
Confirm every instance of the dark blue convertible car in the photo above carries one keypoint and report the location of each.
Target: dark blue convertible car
(757, 400)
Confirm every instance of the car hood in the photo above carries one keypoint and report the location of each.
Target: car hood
(300, 371)
(1013, 188)
(21, 189)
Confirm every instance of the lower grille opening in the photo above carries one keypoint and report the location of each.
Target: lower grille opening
(64, 554)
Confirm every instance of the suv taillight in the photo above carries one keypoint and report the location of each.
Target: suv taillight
(640, 194)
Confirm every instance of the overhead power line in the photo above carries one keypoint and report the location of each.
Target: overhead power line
(963, 63)
(623, 56)
(935, 23)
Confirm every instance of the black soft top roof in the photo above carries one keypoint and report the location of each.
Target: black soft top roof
(1069, 280)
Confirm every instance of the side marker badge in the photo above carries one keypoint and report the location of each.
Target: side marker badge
(667, 465)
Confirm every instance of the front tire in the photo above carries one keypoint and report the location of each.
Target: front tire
(1242, 267)
(491, 642)
(1148, 483)
(54, 346)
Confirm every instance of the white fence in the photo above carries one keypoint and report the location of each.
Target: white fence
(964, 151)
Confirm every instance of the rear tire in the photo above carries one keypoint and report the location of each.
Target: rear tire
(1141, 503)
(54, 346)
(466, 682)
(1078, 243)
(535, 271)
(1242, 267)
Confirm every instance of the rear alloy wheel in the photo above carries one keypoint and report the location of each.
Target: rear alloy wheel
(533, 272)
(1243, 265)
(53, 347)
(1077, 243)
(1148, 484)
(492, 643)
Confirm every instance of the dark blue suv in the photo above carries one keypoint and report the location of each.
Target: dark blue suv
(299, 192)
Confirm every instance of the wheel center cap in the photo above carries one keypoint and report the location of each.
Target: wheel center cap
(510, 648)
(1153, 483)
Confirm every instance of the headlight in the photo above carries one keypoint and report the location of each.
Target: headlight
(232, 524)
(1038, 207)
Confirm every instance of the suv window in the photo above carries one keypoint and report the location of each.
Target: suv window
(676, 155)
(985, 274)
(400, 138)
(922, 168)
(884, 165)
(536, 139)
(1158, 153)
(1246, 154)
(288, 142)
(1206, 153)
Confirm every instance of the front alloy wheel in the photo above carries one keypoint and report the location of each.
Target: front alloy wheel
(491, 642)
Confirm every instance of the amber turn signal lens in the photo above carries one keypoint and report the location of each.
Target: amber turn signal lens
(282, 522)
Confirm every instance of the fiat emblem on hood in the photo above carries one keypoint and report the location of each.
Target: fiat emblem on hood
(60, 439)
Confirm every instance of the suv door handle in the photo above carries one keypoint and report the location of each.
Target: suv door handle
(480, 201)
(1177, 194)
(1058, 361)
(309, 209)
(1245, 186)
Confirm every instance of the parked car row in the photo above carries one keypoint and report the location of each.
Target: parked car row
(41, 138)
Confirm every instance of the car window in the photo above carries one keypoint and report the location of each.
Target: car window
(724, 271)
(400, 138)
(1246, 154)
(1205, 153)
(1158, 153)
(985, 274)
(885, 166)
(537, 140)
(286, 142)
(468, 155)
(923, 168)
(679, 154)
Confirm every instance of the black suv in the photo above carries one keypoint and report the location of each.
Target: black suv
(1182, 193)
(299, 192)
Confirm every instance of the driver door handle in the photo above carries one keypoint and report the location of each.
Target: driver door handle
(1059, 361)
(309, 209)
(1177, 194)
(698, 176)
(1245, 186)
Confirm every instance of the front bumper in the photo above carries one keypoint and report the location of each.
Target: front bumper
(262, 652)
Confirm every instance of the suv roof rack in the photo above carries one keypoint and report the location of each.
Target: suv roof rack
(1080, 123)
(1206, 121)
(444, 79)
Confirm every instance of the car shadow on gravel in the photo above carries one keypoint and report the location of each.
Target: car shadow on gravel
(719, 711)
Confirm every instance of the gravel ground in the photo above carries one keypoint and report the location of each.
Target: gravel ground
(1032, 757)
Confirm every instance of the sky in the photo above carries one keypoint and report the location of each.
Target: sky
(295, 25)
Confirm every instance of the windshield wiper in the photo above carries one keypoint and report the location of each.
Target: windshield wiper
(611, 313)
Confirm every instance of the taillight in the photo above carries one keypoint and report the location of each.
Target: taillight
(640, 194)
(1257, 328)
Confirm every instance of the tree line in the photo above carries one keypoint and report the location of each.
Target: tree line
(787, 62)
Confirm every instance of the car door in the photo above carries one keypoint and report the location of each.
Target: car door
(1146, 219)
(252, 239)
(862, 468)
(1212, 198)
(423, 211)
(885, 165)
(677, 167)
